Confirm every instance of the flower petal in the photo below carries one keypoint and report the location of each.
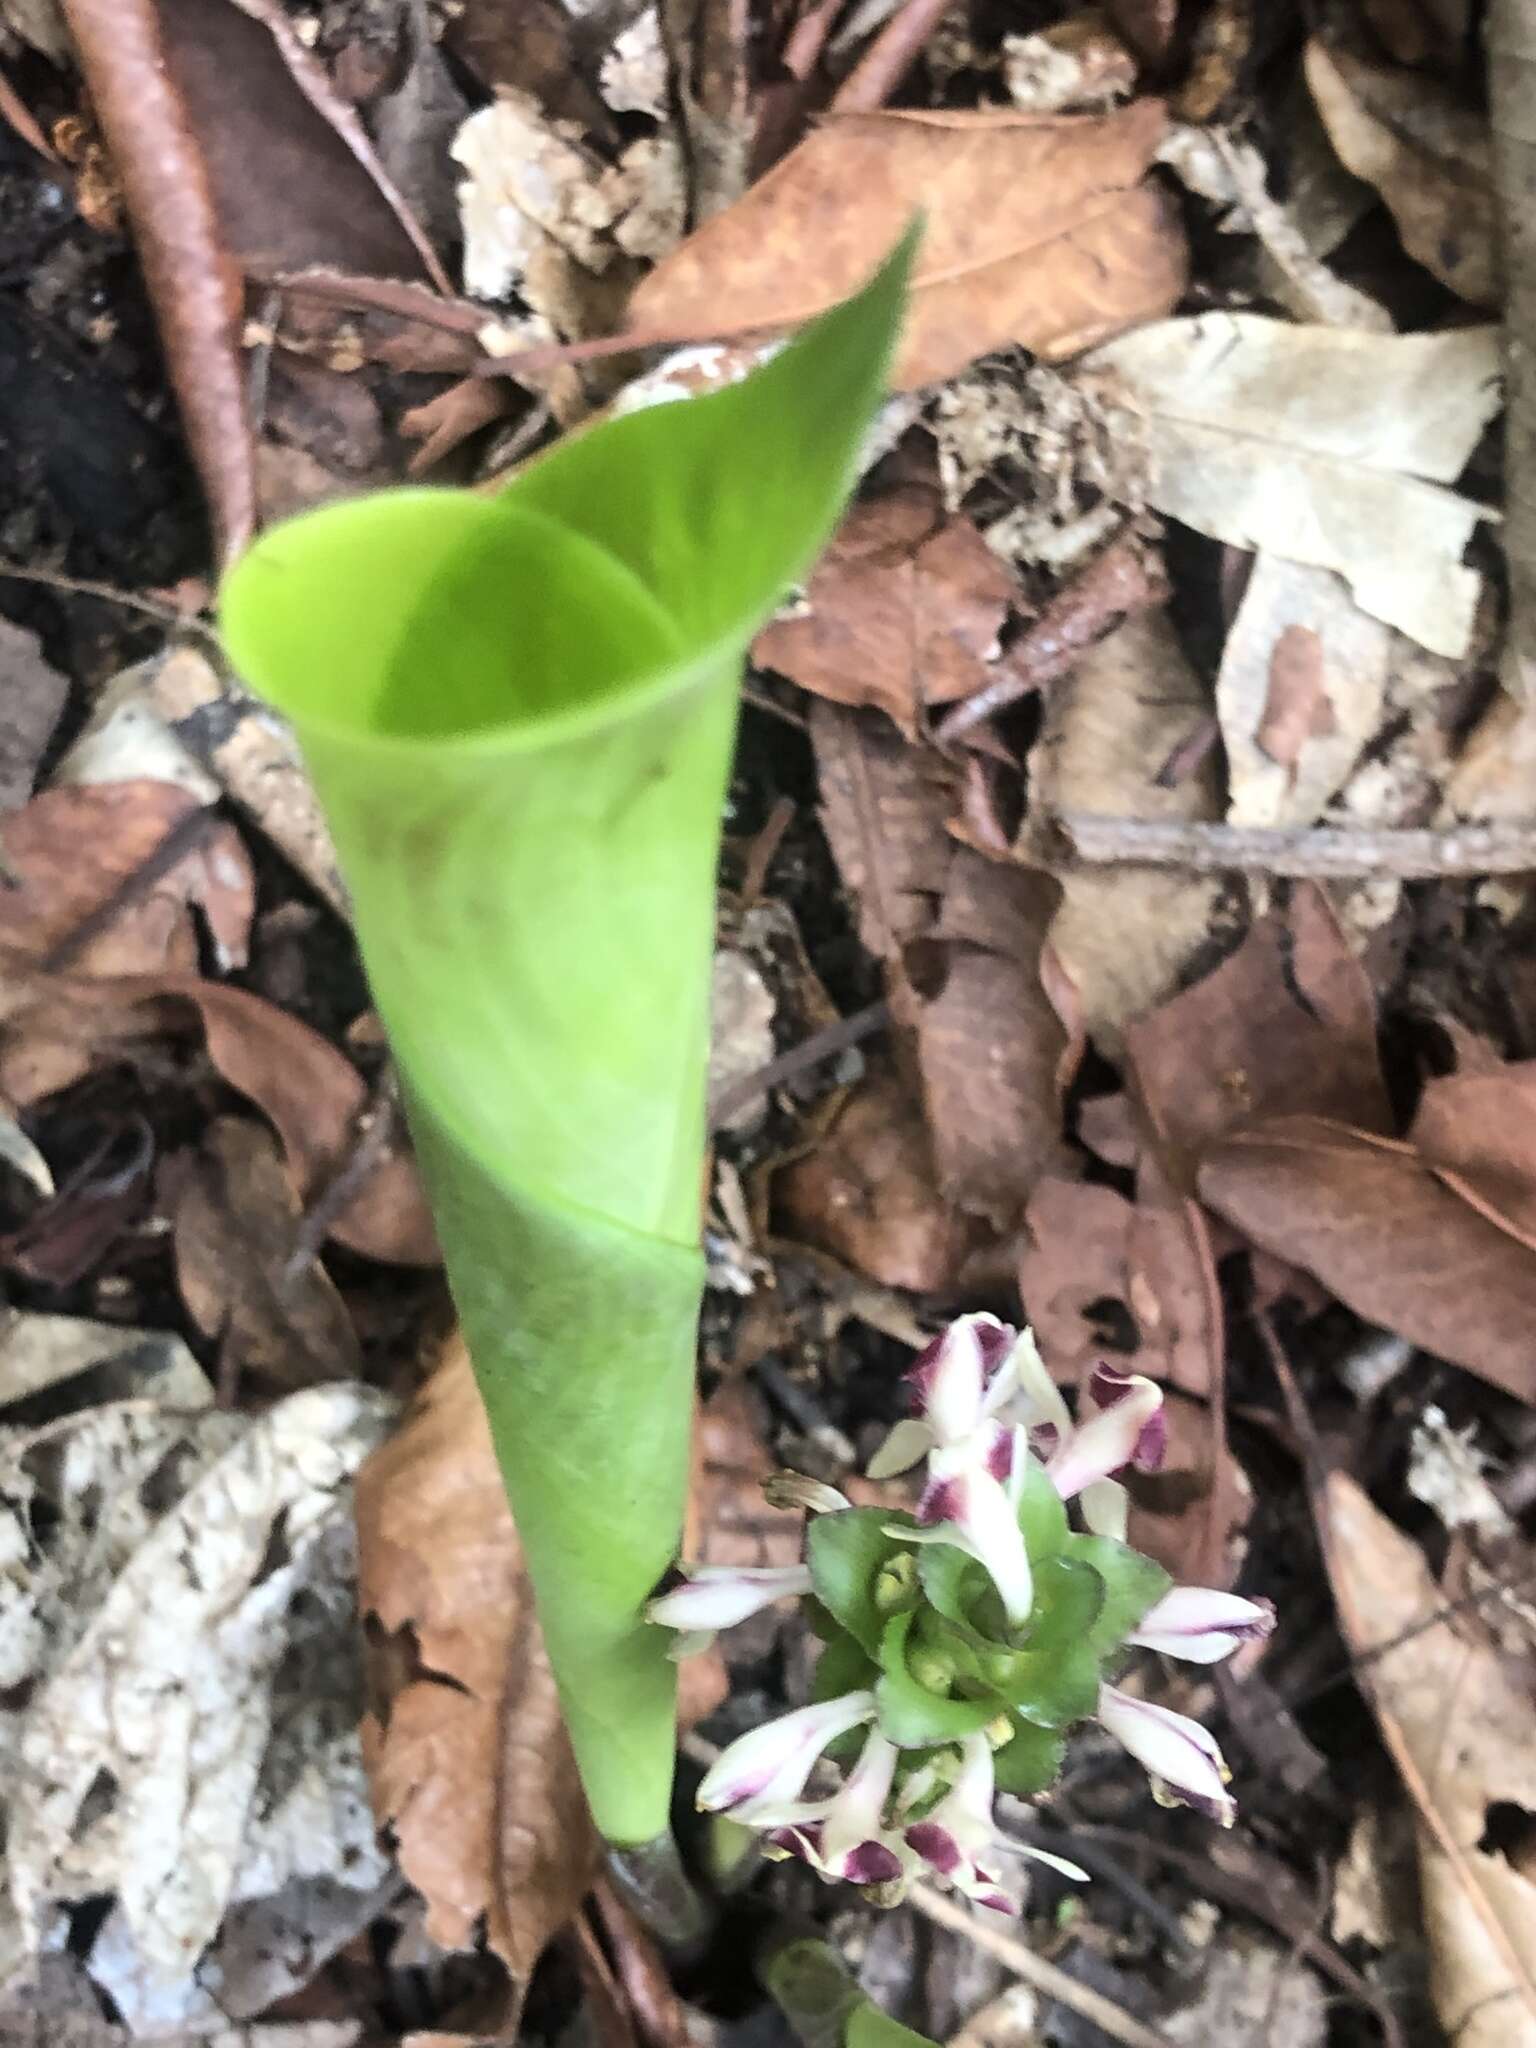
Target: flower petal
(977, 1508)
(856, 1817)
(949, 1379)
(1106, 1508)
(907, 1445)
(1201, 1625)
(799, 1490)
(770, 1765)
(1124, 1430)
(718, 1596)
(1047, 1408)
(1180, 1757)
(1108, 1387)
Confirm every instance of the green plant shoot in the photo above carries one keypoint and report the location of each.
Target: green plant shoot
(518, 712)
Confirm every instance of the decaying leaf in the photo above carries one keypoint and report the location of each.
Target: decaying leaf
(32, 693)
(1124, 937)
(989, 1042)
(1037, 231)
(469, 1760)
(866, 1193)
(1300, 691)
(147, 1667)
(235, 1224)
(902, 612)
(883, 806)
(1386, 1235)
(1462, 1732)
(1426, 151)
(71, 850)
(1314, 442)
(58, 1026)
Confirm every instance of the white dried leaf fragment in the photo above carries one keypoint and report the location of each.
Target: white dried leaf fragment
(1330, 446)
(140, 1752)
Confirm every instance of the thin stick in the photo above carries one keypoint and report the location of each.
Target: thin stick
(1014, 1955)
(1317, 850)
(184, 837)
(889, 57)
(156, 608)
(810, 1052)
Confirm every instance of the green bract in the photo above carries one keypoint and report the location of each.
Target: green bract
(924, 1625)
(518, 712)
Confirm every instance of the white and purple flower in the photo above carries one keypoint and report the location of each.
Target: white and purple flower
(1179, 1756)
(959, 1840)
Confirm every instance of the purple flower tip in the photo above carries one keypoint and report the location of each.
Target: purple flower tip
(936, 1845)
(872, 1863)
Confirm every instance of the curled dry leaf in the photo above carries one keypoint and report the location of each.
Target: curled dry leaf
(902, 612)
(1130, 703)
(57, 1026)
(469, 1760)
(1462, 1732)
(1426, 151)
(1038, 230)
(1314, 442)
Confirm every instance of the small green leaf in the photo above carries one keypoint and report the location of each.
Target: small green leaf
(951, 1579)
(1042, 1513)
(1132, 1585)
(845, 1552)
(1030, 1762)
(842, 1667)
(1069, 1598)
(1055, 1688)
(911, 1715)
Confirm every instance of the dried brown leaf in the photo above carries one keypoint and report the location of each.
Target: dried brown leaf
(883, 807)
(56, 1027)
(1285, 1025)
(902, 612)
(1463, 1734)
(730, 1523)
(1038, 231)
(467, 1754)
(1426, 152)
(1477, 1130)
(867, 1193)
(72, 849)
(1132, 700)
(234, 1226)
(989, 1042)
(1385, 1234)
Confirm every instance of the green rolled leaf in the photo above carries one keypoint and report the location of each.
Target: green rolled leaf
(1030, 1762)
(846, 1553)
(518, 713)
(1133, 1584)
(909, 1713)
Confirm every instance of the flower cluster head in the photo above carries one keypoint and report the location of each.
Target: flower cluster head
(961, 1641)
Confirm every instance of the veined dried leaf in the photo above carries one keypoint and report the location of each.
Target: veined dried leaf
(1038, 231)
(1292, 735)
(1315, 442)
(469, 1759)
(1426, 152)
(1463, 1735)
(1124, 935)
(902, 612)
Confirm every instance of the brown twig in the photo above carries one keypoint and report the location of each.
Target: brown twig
(1317, 850)
(1511, 36)
(821, 1045)
(158, 609)
(191, 277)
(1118, 582)
(889, 57)
(184, 837)
(371, 1133)
(1046, 1977)
(764, 846)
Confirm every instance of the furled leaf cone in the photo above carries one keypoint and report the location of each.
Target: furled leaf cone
(961, 1642)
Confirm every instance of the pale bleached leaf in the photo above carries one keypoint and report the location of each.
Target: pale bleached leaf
(1330, 446)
